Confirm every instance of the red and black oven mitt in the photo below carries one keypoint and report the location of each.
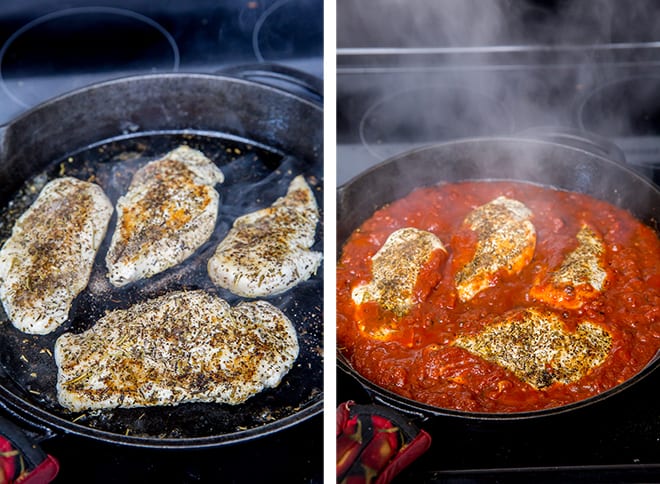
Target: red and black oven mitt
(375, 443)
(21, 461)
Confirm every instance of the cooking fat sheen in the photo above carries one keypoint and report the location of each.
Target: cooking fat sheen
(184, 346)
(48, 259)
(169, 211)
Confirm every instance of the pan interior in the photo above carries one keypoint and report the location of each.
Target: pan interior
(255, 176)
(536, 162)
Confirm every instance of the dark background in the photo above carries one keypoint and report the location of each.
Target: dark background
(48, 47)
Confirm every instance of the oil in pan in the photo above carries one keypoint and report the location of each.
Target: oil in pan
(255, 176)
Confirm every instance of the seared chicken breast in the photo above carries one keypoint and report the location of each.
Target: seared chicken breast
(184, 346)
(268, 251)
(538, 349)
(395, 268)
(48, 259)
(506, 243)
(580, 277)
(169, 211)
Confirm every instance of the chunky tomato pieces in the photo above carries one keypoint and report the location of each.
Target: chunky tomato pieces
(417, 358)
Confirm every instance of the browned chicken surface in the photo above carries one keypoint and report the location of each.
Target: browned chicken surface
(268, 251)
(396, 267)
(538, 349)
(506, 243)
(580, 277)
(184, 346)
(169, 211)
(48, 259)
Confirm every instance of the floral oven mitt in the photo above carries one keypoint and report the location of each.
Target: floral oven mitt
(21, 461)
(375, 443)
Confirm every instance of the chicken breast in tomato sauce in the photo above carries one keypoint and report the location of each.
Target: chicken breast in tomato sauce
(537, 348)
(396, 267)
(48, 259)
(581, 276)
(169, 211)
(506, 243)
(503, 350)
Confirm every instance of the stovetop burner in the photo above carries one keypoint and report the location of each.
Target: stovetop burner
(421, 115)
(638, 132)
(47, 49)
(393, 100)
(61, 51)
(276, 35)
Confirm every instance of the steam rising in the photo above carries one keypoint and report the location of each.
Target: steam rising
(469, 23)
(509, 66)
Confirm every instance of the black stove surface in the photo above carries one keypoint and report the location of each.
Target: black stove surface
(294, 454)
(427, 78)
(291, 455)
(48, 48)
(615, 440)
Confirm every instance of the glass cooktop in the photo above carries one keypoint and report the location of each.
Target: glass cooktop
(48, 48)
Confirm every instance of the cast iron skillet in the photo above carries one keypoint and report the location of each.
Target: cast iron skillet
(539, 161)
(261, 137)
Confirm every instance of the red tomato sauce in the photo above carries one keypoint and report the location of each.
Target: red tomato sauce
(417, 359)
